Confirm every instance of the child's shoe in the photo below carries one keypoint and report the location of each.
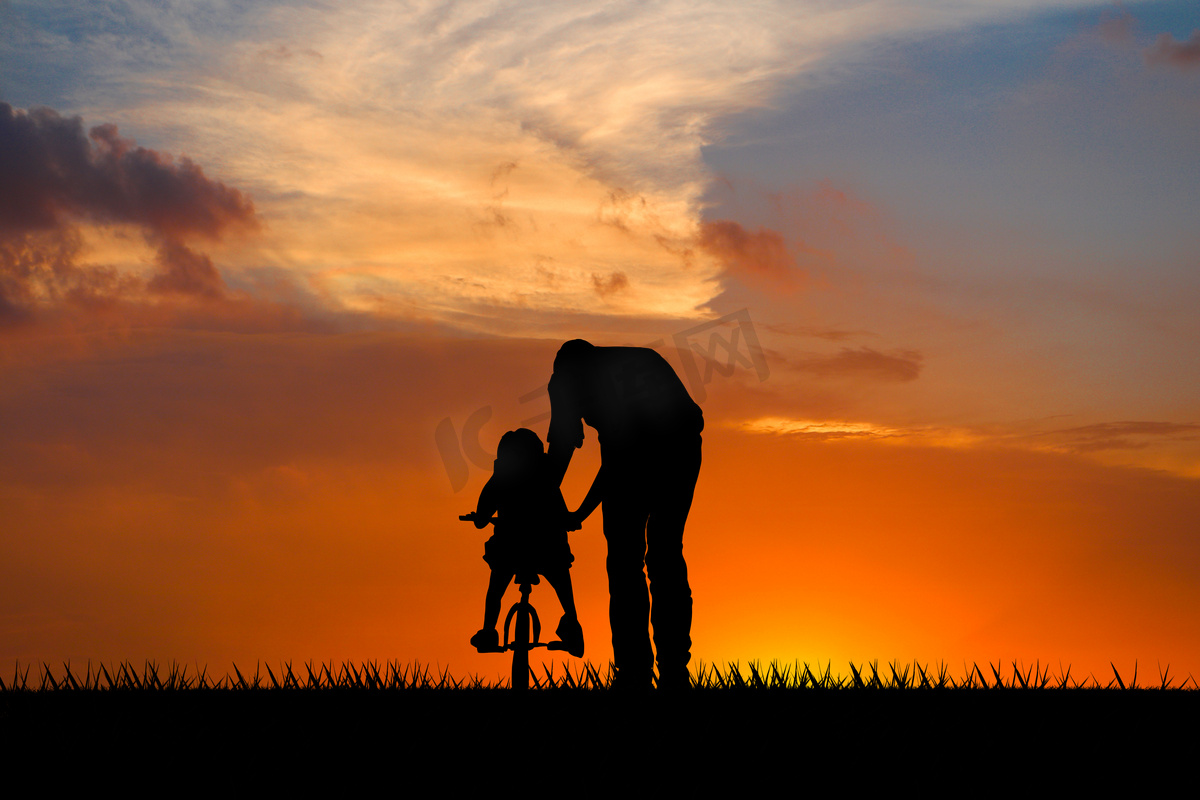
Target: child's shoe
(487, 640)
(571, 634)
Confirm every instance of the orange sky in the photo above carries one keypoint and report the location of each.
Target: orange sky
(215, 497)
(257, 275)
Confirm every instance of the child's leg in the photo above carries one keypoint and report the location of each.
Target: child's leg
(560, 579)
(569, 631)
(487, 640)
(497, 585)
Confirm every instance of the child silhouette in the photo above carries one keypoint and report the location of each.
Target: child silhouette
(531, 534)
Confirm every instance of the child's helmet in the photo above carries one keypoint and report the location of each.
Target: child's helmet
(519, 452)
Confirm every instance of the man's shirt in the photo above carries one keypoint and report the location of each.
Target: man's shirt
(630, 395)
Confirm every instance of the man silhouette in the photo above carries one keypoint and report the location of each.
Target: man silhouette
(649, 432)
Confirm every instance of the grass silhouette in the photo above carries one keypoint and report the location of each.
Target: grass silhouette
(395, 676)
(744, 728)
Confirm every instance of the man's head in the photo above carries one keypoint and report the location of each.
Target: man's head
(573, 356)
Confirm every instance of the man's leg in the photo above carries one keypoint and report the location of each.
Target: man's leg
(665, 564)
(629, 602)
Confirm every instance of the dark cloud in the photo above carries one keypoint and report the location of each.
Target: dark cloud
(863, 362)
(53, 173)
(55, 176)
(757, 256)
(1166, 50)
(185, 272)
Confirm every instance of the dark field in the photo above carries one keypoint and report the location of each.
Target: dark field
(740, 738)
(866, 737)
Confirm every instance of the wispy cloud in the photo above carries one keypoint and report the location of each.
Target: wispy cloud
(822, 430)
(1168, 446)
(862, 362)
(443, 155)
(829, 334)
(1119, 436)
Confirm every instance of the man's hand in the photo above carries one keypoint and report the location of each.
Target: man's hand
(574, 521)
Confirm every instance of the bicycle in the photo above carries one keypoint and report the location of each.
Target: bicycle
(526, 622)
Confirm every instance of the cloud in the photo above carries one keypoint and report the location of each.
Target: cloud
(1120, 435)
(863, 362)
(40, 268)
(1161, 446)
(758, 257)
(56, 178)
(830, 334)
(53, 173)
(1169, 52)
(827, 231)
(820, 430)
(610, 285)
(380, 192)
(185, 272)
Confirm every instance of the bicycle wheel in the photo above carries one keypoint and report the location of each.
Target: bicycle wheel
(520, 667)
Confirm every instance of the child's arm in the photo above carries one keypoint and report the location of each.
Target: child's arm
(487, 506)
(595, 497)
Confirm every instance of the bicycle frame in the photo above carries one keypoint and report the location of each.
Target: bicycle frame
(525, 616)
(520, 643)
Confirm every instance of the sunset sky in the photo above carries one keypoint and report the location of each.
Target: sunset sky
(275, 276)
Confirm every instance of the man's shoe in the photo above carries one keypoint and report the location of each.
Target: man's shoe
(632, 682)
(674, 680)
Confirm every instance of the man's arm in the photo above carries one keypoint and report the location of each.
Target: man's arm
(560, 458)
(566, 427)
(595, 497)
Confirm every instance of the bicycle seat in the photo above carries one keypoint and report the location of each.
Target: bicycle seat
(527, 576)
